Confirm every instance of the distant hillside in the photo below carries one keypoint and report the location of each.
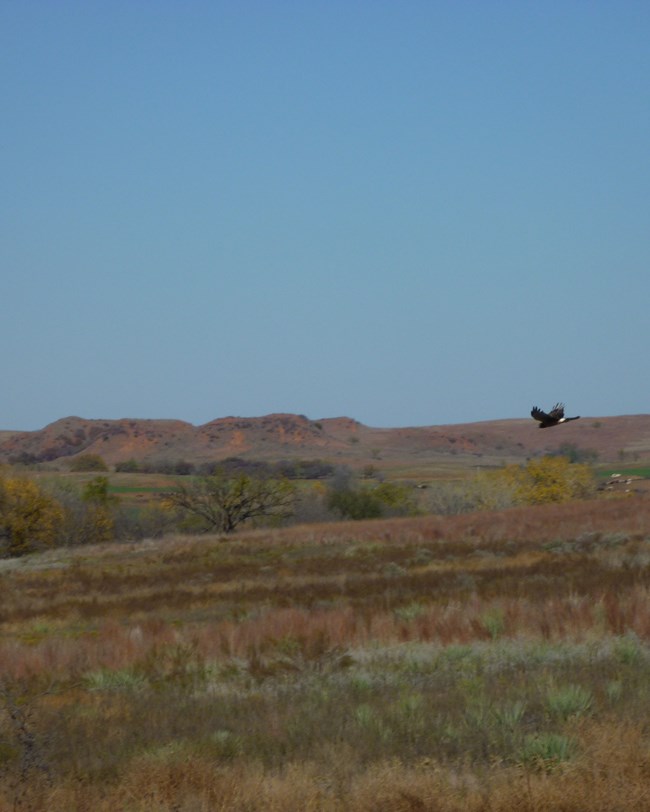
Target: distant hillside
(289, 436)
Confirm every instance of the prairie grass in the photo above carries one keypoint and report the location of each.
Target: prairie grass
(484, 662)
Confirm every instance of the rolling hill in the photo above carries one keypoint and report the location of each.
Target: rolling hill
(341, 439)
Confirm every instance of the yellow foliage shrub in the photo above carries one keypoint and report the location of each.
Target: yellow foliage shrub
(29, 518)
(548, 479)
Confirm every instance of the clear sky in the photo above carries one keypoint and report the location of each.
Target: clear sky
(409, 213)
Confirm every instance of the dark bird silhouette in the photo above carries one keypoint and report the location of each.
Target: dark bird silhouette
(553, 418)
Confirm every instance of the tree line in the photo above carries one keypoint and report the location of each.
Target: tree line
(289, 469)
(51, 511)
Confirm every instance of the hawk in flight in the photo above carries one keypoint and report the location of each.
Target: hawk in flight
(553, 418)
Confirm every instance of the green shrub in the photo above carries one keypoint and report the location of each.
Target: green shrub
(128, 467)
(355, 504)
(362, 502)
(88, 511)
(87, 462)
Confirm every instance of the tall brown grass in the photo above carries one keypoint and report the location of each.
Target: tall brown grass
(612, 776)
(489, 661)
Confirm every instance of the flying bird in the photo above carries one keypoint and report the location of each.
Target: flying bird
(553, 418)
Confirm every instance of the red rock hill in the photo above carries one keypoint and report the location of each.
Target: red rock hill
(281, 436)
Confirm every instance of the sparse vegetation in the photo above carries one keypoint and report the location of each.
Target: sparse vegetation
(494, 660)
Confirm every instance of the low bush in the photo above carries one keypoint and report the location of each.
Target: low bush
(87, 462)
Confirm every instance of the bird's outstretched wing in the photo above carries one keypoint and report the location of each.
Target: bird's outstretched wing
(557, 412)
(538, 414)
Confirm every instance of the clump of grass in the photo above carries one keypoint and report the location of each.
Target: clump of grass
(614, 691)
(494, 622)
(546, 751)
(627, 649)
(569, 701)
(510, 715)
(121, 680)
(410, 612)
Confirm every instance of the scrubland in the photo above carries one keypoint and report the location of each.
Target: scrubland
(491, 661)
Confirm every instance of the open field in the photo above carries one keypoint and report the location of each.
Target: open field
(490, 661)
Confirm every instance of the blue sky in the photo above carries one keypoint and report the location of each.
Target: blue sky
(408, 213)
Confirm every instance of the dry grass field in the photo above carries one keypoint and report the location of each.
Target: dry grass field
(491, 661)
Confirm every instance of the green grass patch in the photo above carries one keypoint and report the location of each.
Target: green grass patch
(624, 471)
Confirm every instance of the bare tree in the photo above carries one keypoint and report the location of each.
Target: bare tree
(221, 503)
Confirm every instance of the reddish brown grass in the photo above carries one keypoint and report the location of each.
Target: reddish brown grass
(273, 611)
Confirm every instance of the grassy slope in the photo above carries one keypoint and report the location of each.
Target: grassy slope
(491, 661)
